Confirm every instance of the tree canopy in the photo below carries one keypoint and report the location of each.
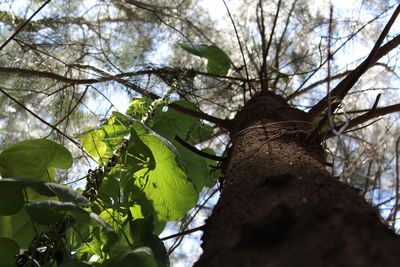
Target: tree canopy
(117, 115)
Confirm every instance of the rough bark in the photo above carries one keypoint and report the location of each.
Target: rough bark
(281, 207)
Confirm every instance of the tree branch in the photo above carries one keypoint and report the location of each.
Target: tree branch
(110, 77)
(55, 128)
(223, 123)
(197, 151)
(24, 24)
(377, 52)
(372, 114)
(186, 232)
(320, 82)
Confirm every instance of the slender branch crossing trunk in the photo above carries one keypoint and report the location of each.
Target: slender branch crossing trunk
(281, 207)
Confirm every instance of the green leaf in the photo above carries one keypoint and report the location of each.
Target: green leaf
(100, 143)
(19, 227)
(89, 249)
(66, 194)
(110, 191)
(140, 229)
(112, 217)
(154, 166)
(217, 60)
(47, 212)
(11, 197)
(9, 249)
(201, 132)
(142, 207)
(34, 159)
(196, 166)
(13, 185)
(141, 257)
(159, 250)
(171, 123)
(93, 143)
(138, 107)
(74, 263)
(161, 175)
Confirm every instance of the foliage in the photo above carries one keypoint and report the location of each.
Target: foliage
(116, 220)
(74, 63)
(217, 60)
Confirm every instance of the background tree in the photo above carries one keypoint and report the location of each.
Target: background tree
(71, 56)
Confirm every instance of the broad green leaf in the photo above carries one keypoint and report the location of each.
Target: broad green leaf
(112, 218)
(159, 250)
(9, 249)
(64, 193)
(161, 175)
(93, 143)
(140, 229)
(201, 132)
(100, 143)
(138, 108)
(110, 191)
(173, 123)
(142, 207)
(19, 227)
(217, 60)
(142, 234)
(141, 257)
(11, 197)
(34, 159)
(168, 124)
(47, 212)
(74, 263)
(196, 166)
(152, 162)
(91, 248)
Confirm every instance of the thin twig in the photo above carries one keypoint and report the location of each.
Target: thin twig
(42, 120)
(341, 90)
(186, 232)
(264, 68)
(197, 151)
(298, 92)
(241, 51)
(74, 107)
(372, 114)
(24, 24)
(183, 226)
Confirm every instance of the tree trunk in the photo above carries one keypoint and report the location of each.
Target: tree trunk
(280, 206)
